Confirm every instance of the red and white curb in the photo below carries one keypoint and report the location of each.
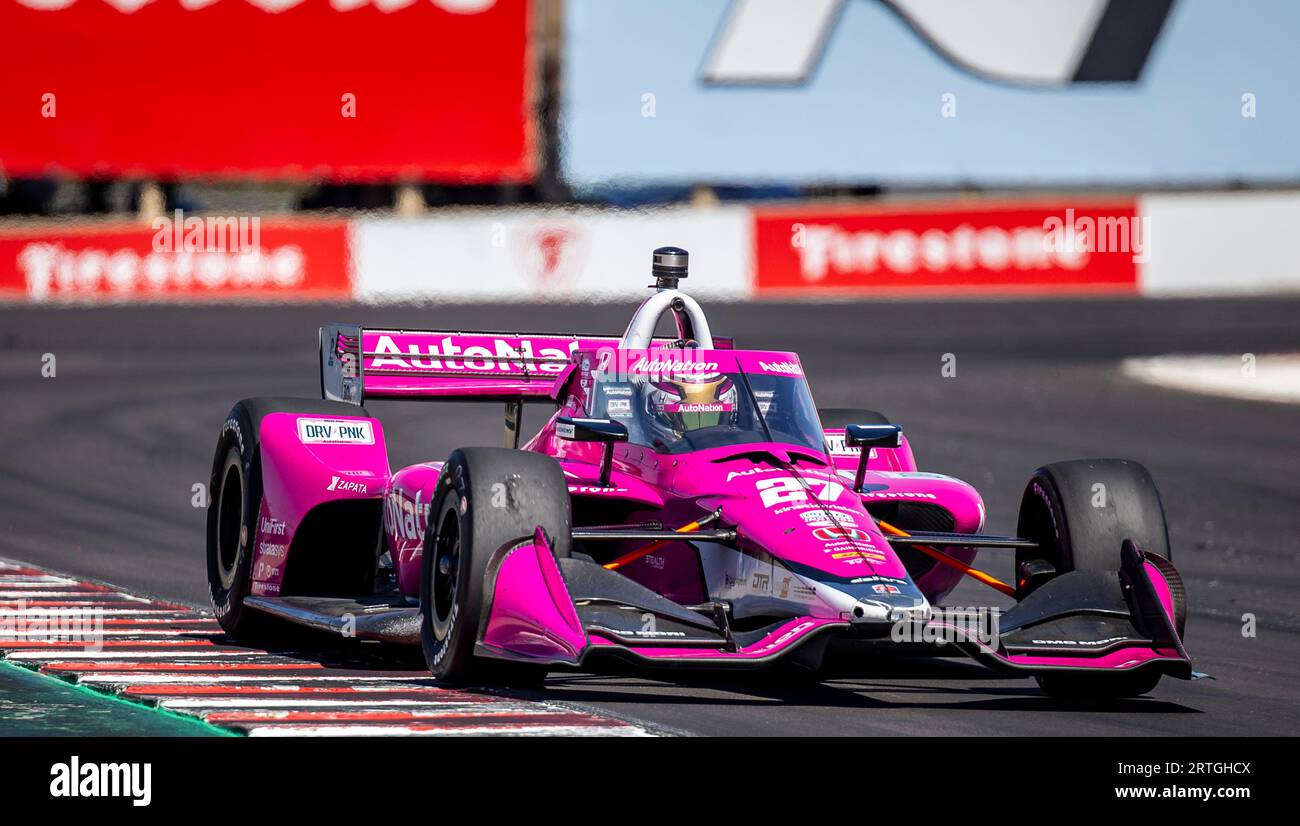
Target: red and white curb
(176, 658)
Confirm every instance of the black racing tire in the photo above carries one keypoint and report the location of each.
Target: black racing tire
(486, 497)
(1080, 512)
(234, 500)
(838, 417)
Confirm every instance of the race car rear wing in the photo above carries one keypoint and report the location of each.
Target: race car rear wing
(358, 364)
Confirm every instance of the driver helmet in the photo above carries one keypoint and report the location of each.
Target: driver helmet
(690, 401)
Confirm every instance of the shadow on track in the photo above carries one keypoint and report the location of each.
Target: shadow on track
(944, 683)
(859, 682)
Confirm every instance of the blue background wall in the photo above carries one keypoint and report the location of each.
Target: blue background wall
(870, 112)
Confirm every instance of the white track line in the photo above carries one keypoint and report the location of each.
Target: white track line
(492, 715)
(103, 599)
(118, 622)
(22, 581)
(200, 704)
(355, 689)
(406, 730)
(233, 679)
(65, 611)
(57, 634)
(64, 654)
(12, 593)
(256, 662)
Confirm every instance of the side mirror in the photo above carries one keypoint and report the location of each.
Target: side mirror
(868, 436)
(606, 431)
(590, 430)
(872, 435)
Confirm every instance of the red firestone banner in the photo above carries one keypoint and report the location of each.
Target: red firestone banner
(809, 251)
(340, 89)
(177, 259)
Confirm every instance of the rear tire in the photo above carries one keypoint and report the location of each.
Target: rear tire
(235, 500)
(485, 498)
(1080, 512)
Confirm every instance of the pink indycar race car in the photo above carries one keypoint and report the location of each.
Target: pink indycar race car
(686, 504)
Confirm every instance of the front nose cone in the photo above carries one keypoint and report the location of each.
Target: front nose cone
(870, 612)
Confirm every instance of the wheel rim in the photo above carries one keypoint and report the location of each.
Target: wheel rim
(446, 569)
(230, 522)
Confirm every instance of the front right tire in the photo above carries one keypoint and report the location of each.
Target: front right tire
(1080, 512)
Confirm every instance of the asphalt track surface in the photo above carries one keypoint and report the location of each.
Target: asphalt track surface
(99, 464)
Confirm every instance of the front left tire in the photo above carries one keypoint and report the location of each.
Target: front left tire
(486, 498)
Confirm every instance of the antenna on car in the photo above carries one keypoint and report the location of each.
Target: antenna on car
(668, 266)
